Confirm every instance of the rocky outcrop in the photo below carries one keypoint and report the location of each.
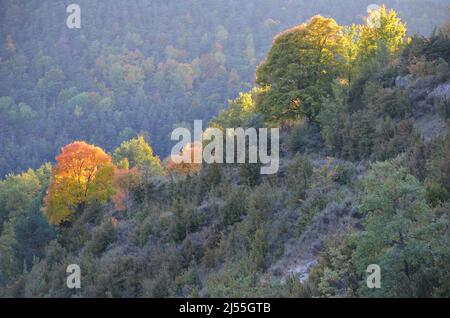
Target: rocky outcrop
(428, 96)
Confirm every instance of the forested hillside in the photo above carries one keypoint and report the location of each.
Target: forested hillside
(141, 67)
(363, 110)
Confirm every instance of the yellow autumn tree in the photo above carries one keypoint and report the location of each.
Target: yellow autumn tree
(83, 174)
(349, 50)
(383, 30)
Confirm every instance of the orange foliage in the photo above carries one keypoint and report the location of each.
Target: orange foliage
(125, 180)
(83, 174)
(114, 222)
(10, 43)
(185, 168)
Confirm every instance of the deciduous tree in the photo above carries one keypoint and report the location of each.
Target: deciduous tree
(139, 154)
(383, 30)
(83, 174)
(299, 70)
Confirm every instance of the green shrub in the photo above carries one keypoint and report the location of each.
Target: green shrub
(316, 203)
(436, 194)
(344, 173)
(102, 237)
(300, 171)
(233, 207)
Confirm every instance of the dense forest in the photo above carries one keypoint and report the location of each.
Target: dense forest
(142, 67)
(362, 100)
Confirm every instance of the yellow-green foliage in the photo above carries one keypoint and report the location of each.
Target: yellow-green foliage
(299, 69)
(304, 62)
(383, 29)
(138, 153)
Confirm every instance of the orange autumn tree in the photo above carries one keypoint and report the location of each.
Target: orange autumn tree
(125, 181)
(185, 168)
(82, 175)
